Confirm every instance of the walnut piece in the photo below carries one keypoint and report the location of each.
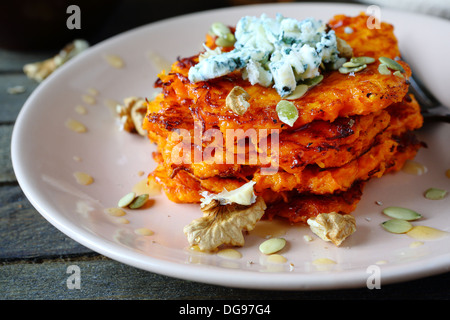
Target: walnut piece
(223, 224)
(131, 115)
(40, 70)
(344, 48)
(333, 226)
(237, 99)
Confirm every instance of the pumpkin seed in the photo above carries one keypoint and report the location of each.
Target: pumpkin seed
(298, 92)
(401, 213)
(398, 74)
(362, 60)
(139, 201)
(219, 29)
(356, 69)
(313, 81)
(351, 64)
(358, 61)
(383, 69)
(272, 245)
(435, 194)
(226, 41)
(397, 226)
(126, 199)
(287, 112)
(391, 64)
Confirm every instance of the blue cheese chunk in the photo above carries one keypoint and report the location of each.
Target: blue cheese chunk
(277, 52)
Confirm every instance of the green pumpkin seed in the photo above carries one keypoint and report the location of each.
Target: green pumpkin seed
(345, 70)
(139, 201)
(362, 60)
(298, 92)
(391, 64)
(398, 74)
(313, 81)
(435, 194)
(272, 245)
(397, 226)
(401, 213)
(287, 112)
(126, 200)
(351, 64)
(226, 41)
(348, 70)
(383, 69)
(358, 61)
(219, 29)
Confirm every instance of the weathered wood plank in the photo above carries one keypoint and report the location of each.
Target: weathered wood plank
(101, 278)
(11, 104)
(25, 234)
(6, 168)
(13, 61)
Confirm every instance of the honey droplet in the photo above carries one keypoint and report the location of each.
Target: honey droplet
(144, 232)
(229, 254)
(115, 212)
(426, 233)
(114, 61)
(415, 244)
(122, 220)
(150, 187)
(83, 178)
(273, 228)
(92, 91)
(323, 261)
(276, 258)
(414, 167)
(75, 126)
(80, 109)
(88, 99)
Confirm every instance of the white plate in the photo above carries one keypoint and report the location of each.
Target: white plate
(43, 150)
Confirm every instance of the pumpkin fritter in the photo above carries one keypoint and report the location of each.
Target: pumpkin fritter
(350, 128)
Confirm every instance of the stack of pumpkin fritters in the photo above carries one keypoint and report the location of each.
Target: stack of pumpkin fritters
(351, 127)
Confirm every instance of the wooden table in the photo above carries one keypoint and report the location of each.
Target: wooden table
(35, 256)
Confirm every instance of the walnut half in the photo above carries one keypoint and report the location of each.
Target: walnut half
(237, 99)
(42, 69)
(223, 224)
(333, 226)
(131, 115)
(344, 48)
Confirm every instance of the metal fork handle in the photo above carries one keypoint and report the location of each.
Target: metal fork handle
(423, 96)
(432, 109)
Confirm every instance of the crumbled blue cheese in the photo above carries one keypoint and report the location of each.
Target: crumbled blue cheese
(278, 52)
